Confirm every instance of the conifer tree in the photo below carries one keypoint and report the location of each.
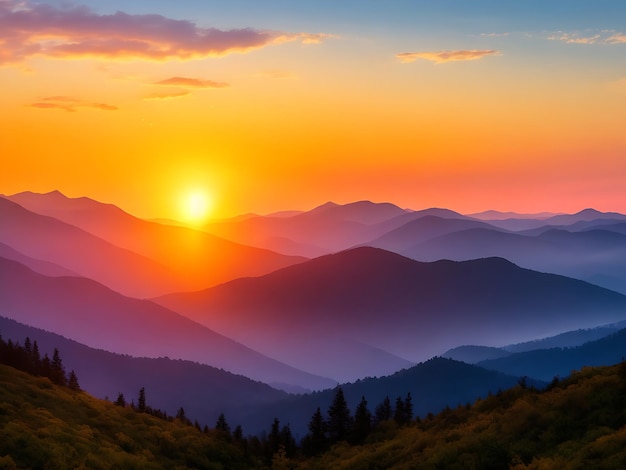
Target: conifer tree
(315, 441)
(36, 359)
(72, 382)
(121, 401)
(221, 424)
(287, 441)
(383, 411)
(339, 421)
(57, 370)
(362, 423)
(141, 404)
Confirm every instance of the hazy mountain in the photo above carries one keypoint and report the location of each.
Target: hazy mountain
(544, 364)
(411, 309)
(597, 256)
(48, 239)
(42, 267)
(473, 354)
(327, 228)
(197, 259)
(203, 391)
(498, 215)
(83, 310)
(517, 224)
(422, 229)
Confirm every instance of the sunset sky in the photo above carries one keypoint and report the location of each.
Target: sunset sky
(272, 105)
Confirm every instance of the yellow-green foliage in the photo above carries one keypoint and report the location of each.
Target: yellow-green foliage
(577, 424)
(50, 427)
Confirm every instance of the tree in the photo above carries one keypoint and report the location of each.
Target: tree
(383, 411)
(362, 423)
(287, 441)
(339, 421)
(315, 441)
(121, 401)
(408, 407)
(57, 370)
(72, 383)
(180, 414)
(221, 424)
(141, 404)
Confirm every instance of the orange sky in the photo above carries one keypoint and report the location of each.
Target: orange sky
(417, 107)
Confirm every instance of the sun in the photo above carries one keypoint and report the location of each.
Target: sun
(196, 207)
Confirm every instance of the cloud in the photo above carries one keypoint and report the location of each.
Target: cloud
(440, 57)
(191, 83)
(167, 95)
(604, 37)
(30, 29)
(494, 35)
(69, 104)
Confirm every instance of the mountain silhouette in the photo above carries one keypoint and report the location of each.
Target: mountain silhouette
(88, 312)
(408, 308)
(194, 258)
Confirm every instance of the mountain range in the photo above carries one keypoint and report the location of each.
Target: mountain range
(411, 309)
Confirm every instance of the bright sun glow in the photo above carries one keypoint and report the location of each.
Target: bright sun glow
(196, 206)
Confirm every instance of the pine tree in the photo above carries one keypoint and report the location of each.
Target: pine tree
(57, 369)
(339, 418)
(121, 401)
(408, 407)
(399, 414)
(383, 411)
(180, 414)
(141, 404)
(36, 359)
(221, 424)
(362, 423)
(72, 382)
(287, 441)
(315, 441)
(274, 438)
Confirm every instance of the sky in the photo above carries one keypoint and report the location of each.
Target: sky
(172, 108)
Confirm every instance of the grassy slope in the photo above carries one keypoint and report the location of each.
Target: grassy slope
(46, 426)
(580, 423)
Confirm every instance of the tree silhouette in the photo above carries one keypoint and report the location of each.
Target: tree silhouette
(339, 418)
(221, 424)
(362, 423)
(315, 441)
(383, 411)
(57, 371)
(141, 404)
(72, 382)
(121, 401)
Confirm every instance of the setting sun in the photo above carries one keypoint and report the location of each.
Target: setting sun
(196, 206)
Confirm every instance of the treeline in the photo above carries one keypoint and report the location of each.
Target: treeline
(27, 358)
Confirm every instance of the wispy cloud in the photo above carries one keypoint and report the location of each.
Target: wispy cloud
(191, 83)
(605, 37)
(168, 95)
(440, 57)
(69, 104)
(30, 29)
(494, 35)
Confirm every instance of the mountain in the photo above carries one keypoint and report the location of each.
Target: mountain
(544, 364)
(88, 312)
(498, 215)
(48, 239)
(203, 391)
(325, 229)
(408, 308)
(472, 354)
(48, 426)
(422, 229)
(596, 256)
(42, 267)
(585, 215)
(195, 258)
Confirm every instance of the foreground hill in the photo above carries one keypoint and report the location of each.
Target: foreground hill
(578, 423)
(193, 259)
(46, 426)
(202, 390)
(88, 312)
(408, 308)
